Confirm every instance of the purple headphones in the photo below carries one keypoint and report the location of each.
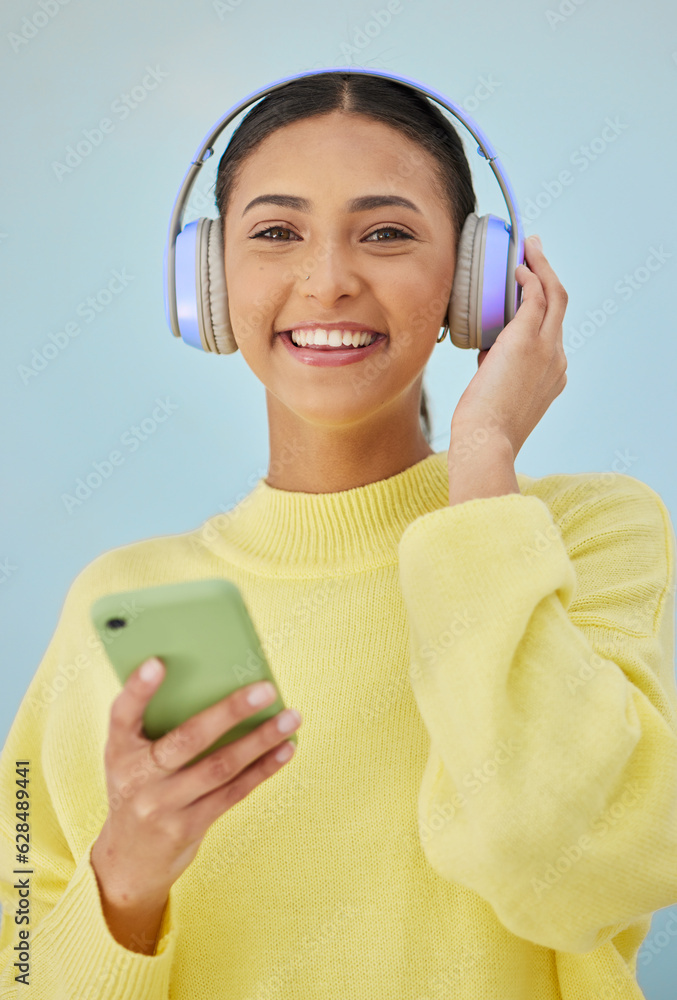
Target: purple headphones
(485, 294)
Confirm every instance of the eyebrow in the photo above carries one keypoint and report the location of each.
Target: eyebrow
(363, 204)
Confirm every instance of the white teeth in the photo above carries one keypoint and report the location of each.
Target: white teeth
(332, 338)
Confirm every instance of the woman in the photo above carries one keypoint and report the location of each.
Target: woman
(483, 796)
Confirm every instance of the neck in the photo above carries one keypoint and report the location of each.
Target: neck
(312, 458)
(285, 533)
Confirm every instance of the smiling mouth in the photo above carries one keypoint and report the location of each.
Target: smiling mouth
(367, 338)
(331, 356)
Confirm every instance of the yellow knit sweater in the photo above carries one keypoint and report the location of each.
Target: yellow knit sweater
(483, 801)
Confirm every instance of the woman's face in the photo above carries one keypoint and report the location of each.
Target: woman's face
(360, 269)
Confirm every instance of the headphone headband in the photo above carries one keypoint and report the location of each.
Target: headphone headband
(515, 253)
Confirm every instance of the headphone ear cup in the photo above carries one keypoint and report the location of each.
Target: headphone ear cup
(482, 285)
(465, 302)
(212, 297)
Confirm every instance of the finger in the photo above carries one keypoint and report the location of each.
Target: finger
(227, 763)
(126, 720)
(555, 293)
(534, 304)
(199, 731)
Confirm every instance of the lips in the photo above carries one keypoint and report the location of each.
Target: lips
(323, 354)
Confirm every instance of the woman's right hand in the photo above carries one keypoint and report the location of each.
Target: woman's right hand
(158, 814)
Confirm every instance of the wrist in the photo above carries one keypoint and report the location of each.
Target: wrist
(479, 467)
(118, 889)
(477, 445)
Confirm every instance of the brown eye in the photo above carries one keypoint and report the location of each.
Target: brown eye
(272, 229)
(400, 234)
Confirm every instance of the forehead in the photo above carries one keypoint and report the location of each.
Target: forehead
(335, 152)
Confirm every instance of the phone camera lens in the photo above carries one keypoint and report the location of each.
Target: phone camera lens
(116, 623)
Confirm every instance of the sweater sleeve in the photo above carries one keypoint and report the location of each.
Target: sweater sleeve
(541, 650)
(50, 892)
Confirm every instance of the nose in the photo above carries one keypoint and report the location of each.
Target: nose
(328, 274)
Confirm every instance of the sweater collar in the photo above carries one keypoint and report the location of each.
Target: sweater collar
(358, 528)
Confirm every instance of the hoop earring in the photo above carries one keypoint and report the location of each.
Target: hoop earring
(446, 330)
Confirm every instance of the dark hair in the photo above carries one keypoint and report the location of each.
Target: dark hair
(384, 100)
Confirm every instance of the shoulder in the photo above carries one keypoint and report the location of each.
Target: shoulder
(145, 563)
(598, 497)
(610, 522)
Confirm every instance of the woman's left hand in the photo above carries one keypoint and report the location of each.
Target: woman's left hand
(525, 369)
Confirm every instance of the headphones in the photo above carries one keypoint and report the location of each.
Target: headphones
(485, 294)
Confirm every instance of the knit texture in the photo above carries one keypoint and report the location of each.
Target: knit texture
(483, 801)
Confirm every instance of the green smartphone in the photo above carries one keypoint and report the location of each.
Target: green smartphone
(202, 632)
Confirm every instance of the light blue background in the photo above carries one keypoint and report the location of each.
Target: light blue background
(540, 83)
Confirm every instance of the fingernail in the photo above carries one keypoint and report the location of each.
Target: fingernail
(537, 241)
(261, 694)
(150, 671)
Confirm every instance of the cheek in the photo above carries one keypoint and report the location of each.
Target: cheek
(415, 287)
(423, 315)
(254, 297)
(430, 299)
(240, 282)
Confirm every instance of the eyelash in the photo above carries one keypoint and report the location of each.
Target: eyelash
(284, 229)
